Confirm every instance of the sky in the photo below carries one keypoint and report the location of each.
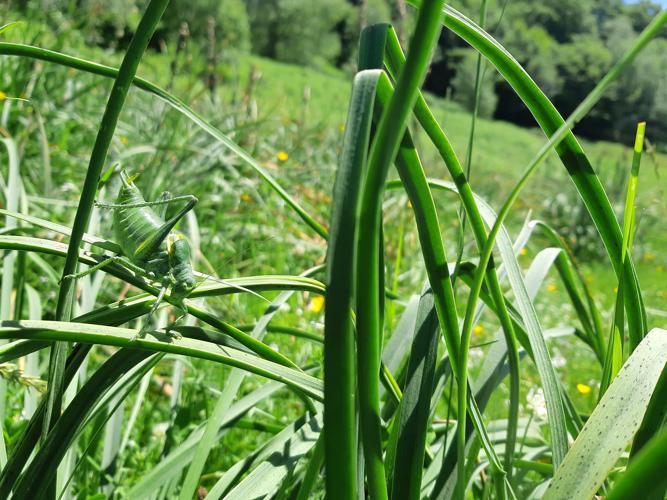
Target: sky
(661, 2)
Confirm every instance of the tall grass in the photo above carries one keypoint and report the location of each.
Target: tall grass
(396, 410)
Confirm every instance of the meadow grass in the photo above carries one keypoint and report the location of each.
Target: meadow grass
(263, 170)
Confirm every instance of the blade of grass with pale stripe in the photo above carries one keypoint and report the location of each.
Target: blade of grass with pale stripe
(589, 314)
(411, 423)
(611, 426)
(273, 467)
(224, 403)
(614, 357)
(180, 457)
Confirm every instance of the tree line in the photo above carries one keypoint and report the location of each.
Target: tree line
(565, 45)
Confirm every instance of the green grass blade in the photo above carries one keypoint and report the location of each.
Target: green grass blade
(339, 374)
(383, 151)
(117, 97)
(614, 358)
(30, 436)
(122, 337)
(411, 424)
(67, 426)
(267, 475)
(8, 26)
(181, 456)
(312, 473)
(395, 60)
(613, 423)
(20, 348)
(569, 150)
(224, 403)
(11, 200)
(278, 446)
(645, 477)
(629, 213)
(589, 313)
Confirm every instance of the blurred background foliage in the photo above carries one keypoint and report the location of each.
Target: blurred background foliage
(565, 45)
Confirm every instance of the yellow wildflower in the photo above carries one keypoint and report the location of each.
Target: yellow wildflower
(615, 289)
(3, 96)
(282, 156)
(245, 197)
(649, 256)
(660, 269)
(551, 287)
(316, 304)
(523, 252)
(124, 140)
(478, 329)
(584, 389)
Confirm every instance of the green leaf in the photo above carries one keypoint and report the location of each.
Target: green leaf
(613, 423)
(384, 148)
(276, 461)
(181, 456)
(645, 477)
(411, 424)
(122, 337)
(339, 360)
(61, 436)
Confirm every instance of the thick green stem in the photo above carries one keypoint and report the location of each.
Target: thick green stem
(383, 152)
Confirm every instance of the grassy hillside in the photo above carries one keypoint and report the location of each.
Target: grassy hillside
(291, 119)
(501, 152)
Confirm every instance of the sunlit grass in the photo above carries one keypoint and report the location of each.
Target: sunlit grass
(397, 358)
